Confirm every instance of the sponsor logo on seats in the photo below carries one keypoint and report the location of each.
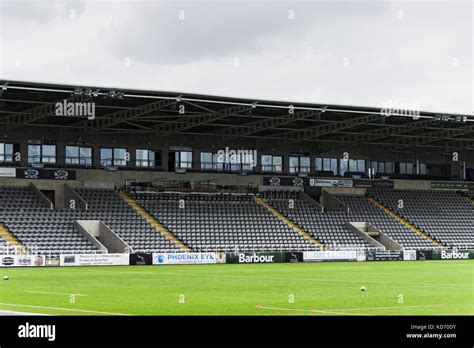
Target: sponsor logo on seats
(31, 174)
(298, 182)
(185, 258)
(449, 255)
(69, 259)
(24, 261)
(255, 258)
(39, 260)
(275, 181)
(8, 261)
(61, 174)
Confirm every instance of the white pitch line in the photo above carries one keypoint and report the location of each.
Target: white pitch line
(389, 307)
(315, 311)
(343, 310)
(15, 313)
(62, 309)
(53, 293)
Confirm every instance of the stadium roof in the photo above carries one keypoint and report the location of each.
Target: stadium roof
(30, 104)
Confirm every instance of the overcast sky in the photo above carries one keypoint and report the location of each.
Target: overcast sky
(338, 52)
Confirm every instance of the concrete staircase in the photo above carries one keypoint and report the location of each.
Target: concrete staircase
(11, 240)
(156, 224)
(405, 223)
(262, 202)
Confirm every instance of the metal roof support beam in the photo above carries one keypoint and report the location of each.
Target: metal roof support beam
(117, 117)
(384, 132)
(314, 132)
(253, 127)
(14, 121)
(194, 121)
(436, 135)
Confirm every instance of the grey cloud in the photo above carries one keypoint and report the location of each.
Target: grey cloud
(41, 11)
(154, 32)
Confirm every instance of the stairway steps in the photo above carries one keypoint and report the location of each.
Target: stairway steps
(8, 236)
(262, 202)
(158, 226)
(404, 222)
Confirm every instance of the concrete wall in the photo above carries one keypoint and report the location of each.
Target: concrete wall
(360, 228)
(91, 230)
(102, 236)
(36, 189)
(330, 203)
(71, 195)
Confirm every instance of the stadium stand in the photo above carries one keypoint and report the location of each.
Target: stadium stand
(37, 227)
(52, 231)
(106, 205)
(329, 228)
(139, 141)
(221, 222)
(445, 216)
(362, 210)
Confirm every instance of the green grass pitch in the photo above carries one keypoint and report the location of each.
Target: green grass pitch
(330, 288)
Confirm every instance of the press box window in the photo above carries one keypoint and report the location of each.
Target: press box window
(145, 158)
(299, 165)
(6, 152)
(41, 153)
(326, 165)
(184, 159)
(79, 155)
(113, 157)
(273, 164)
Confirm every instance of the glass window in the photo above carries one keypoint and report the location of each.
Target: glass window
(318, 164)
(381, 167)
(278, 164)
(234, 162)
(267, 163)
(85, 156)
(361, 166)
(34, 154)
(389, 167)
(49, 154)
(119, 157)
(144, 158)
(106, 157)
(326, 163)
(6, 152)
(247, 161)
(352, 165)
(305, 166)
(207, 160)
(423, 169)
(41, 153)
(344, 166)
(294, 165)
(184, 159)
(299, 164)
(218, 163)
(406, 168)
(272, 163)
(72, 154)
